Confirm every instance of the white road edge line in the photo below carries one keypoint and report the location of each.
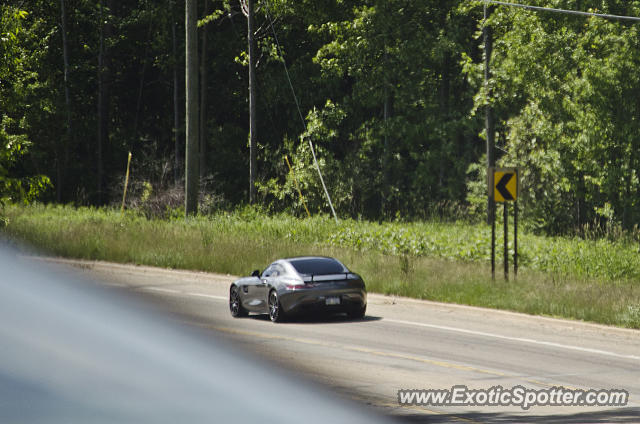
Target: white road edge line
(453, 329)
(159, 289)
(209, 296)
(163, 290)
(515, 339)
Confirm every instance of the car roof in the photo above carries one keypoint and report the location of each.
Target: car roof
(317, 261)
(304, 258)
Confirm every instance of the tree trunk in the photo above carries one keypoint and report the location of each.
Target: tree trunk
(203, 96)
(192, 174)
(253, 135)
(386, 159)
(143, 72)
(100, 140)
(62, 164)
(385, 193)
(177, 119)
(444, 89)
(104, 85)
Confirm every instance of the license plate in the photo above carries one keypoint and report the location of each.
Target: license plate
(332, 300)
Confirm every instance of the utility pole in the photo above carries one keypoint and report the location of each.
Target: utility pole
(253, 134)
(192, 163)
(489, 123)
(63, 159)
(203, 95)
(490, 133)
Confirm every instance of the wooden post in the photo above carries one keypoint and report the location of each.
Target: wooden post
(126, 184)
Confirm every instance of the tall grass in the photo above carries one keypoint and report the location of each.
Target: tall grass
(593, 280)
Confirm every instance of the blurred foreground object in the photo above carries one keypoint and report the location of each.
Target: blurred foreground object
(74, 352)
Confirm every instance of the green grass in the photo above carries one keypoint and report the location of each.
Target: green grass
(588, 280)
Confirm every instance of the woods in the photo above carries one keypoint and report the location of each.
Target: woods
(391, 93)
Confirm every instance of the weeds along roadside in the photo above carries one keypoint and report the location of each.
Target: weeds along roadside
(592, 280)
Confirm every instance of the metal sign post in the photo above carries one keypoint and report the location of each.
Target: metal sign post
(489, 125)
(493, 239)
(515, 239)
(504, 187)
(506, 241)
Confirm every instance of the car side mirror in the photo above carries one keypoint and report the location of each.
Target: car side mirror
(255, 273)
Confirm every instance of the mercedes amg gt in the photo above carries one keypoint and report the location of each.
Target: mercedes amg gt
(297, 285)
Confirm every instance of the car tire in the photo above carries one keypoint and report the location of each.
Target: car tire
(357, 313)
(276, 314)
(235, 305)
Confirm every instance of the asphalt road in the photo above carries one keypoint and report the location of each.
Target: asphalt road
(410, 344)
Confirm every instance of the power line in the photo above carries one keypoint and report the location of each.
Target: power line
(304, 124)
(286, 71)
(565, 11)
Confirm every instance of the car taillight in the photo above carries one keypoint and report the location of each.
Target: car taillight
(299, 286)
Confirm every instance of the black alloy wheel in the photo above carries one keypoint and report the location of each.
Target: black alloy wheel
(276, 314)
(234, 304)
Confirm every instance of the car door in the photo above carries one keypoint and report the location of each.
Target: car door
(269, 280)
(249, 293)
(256, 296)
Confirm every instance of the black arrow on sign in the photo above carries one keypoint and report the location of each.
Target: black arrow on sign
(502, 186)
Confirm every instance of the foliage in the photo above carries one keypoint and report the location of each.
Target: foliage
(390, 93)
(15, 79)
(589, 280)
(403, 129)
(565, 92)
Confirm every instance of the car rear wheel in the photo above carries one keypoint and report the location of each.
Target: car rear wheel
(357, 313)
(235, 306)
(276, 314)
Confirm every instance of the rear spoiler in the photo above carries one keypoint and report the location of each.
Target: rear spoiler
(328, 277)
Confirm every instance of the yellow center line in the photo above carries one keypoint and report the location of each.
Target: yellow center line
(359, 349)
(442, 364)
(438, 363)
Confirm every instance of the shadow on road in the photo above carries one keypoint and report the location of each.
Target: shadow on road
(624, 415)
(319, 319)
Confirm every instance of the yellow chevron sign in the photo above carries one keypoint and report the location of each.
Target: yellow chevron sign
(504, 184)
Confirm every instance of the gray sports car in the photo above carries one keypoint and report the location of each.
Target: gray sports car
(296, 285)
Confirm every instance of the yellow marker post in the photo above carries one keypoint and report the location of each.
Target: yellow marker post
(286, 158)
(505, 185)
(126, 183)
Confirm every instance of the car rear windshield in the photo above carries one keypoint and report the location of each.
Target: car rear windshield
(317, 266)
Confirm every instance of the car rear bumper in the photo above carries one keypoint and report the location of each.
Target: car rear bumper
(301, 301)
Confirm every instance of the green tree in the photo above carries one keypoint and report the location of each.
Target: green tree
(405, 136)
(566, 98)
(16, 82)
